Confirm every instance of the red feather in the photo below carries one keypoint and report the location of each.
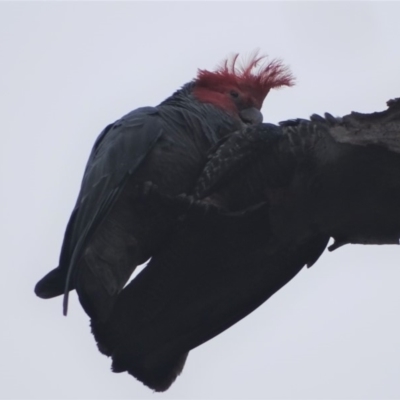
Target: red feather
(258, 83)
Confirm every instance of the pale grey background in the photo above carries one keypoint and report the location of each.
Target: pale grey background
(67, 70)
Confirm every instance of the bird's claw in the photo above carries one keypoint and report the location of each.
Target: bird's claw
(183, 203)
(193, 206)
(146, 190)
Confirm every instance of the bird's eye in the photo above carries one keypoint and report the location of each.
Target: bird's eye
(234, 94)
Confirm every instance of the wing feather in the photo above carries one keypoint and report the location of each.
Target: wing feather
(117, 153)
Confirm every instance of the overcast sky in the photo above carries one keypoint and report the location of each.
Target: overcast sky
(69, 69)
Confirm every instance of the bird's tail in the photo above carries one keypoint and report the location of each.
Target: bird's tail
(158, 376)
(116, 339)
(52, 284)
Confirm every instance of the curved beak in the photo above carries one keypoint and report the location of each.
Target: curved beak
(251, 116)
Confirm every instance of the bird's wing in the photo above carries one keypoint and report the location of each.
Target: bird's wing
(211, 275)
(117, 153)
(233, 154)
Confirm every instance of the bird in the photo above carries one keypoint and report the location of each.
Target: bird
(109, 232)
(223, 262)
(265, 205)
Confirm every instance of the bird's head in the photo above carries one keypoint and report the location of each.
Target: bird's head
(241, 89)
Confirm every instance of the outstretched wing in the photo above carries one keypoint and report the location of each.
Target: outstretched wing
(117, 153)
(211, 275)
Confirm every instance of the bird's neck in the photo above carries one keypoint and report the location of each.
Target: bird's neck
(215, 122)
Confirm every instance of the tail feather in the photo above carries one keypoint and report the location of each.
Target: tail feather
(157, 374)
(155, 370)
(52, 284)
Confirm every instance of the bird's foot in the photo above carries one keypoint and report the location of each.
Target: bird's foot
(147, 189)
(149, 193)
